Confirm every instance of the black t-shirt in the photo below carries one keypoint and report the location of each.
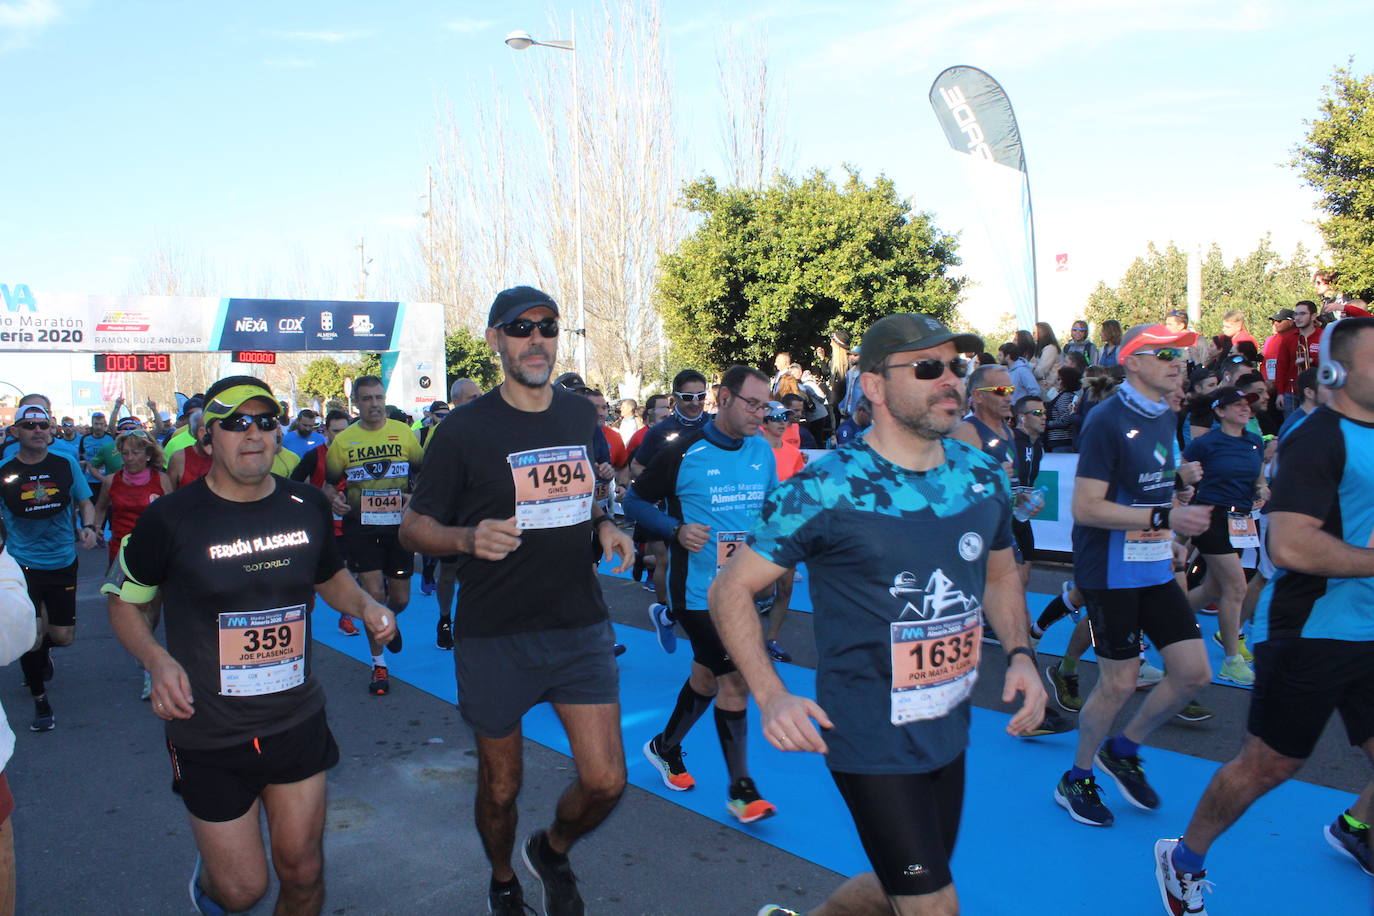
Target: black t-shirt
(235, 580)
(1026, 456)
(473, 463)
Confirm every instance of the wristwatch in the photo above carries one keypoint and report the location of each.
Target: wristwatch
(1159, 518)
(1027, 651)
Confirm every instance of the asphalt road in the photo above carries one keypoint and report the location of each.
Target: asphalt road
(99, 832)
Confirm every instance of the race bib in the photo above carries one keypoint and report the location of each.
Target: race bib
(1148, 546)
(934, 665)
(727, 542)
(261, 652)
(553, 486)
(1244, 531)
(380, 507)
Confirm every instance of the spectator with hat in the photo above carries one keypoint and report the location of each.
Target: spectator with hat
(1282, 323)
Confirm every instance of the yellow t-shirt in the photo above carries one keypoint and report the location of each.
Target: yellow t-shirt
(285, 463)
(378, 466)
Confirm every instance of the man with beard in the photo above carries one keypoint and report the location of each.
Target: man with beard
(514, 501)
(907, 534)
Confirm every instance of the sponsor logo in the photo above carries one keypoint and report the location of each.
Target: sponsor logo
(326, 321)
(119, 322)
(362, 324)
(967, 121)
(18, 297)
(424, 381)
(251, 325)
(713, 472)
(971, 546)
(291, 325)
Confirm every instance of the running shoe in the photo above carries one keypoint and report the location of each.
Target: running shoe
(649, 586)
(1180, 892)
(1347, 839)
(619, 649)
(556, 878)
(777, 652)
(1148, 677)
(443, 634)
(1065, 689)
(508, 902)
(663, 627)
(1081, 800)
(201, 900)
(1129, 776)
(669, 765)
(1237, 670)
(1054, 723)
(764, 605)
(1195, 712)
(380, 685)
(427, 586)
(1244, 649)
(147, 690)
(746, 804)
(774, 909)
(43, 720)
(346, 625)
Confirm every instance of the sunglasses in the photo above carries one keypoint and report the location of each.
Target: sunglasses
(1079, 327)
(999, 390)
(524, 327)
(690, 395)
(240, 422)
(1038, 412)
(930, 369)
(778, 417)
(34, 424)
(1163, 354)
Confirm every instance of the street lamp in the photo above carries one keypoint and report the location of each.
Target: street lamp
(520, 41)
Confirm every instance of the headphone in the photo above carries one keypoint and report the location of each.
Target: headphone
(1331, 374)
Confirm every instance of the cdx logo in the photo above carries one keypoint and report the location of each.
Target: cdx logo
(291, 325)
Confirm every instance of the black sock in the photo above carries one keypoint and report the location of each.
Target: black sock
(499, 887)
(690, 707)
(733, 728)
(1054, 612)
(32, 664)
(546, 850)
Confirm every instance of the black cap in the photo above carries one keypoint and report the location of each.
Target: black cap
(571, 381)
(1225, 397)
(909, 331)
(1283, 315)
(510, 303)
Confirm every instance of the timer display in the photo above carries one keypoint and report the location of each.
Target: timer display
(133, 362)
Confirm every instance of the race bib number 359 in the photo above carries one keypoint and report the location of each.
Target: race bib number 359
(553, 486)
(261, 651)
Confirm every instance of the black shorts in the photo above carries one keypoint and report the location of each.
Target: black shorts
(1117, 617)
(1024, 541)
(500, 678)
(374, 549)
(222, 783)
(1216, 540)
(908, 824)
(1300, 682)
(54, 589)
(707, 649)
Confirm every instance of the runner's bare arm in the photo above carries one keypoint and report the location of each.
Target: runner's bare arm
(171, 696)
(1004, 602)
(965, 432)
(1297, 542)
(341, 592)
(1092, 508)
(786, 718)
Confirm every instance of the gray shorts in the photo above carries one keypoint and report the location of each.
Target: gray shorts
(500, 678)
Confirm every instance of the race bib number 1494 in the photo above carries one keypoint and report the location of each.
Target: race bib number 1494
(553, 486)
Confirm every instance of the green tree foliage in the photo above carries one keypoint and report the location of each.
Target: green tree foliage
(323, 378)
(1337, 160)
(780, 267)
(1259, 283)
(467, 356)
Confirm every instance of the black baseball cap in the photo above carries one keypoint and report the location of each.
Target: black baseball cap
(909, 331)
(1283, 315)
(1225, 397)
(510, 303)
(571, 381)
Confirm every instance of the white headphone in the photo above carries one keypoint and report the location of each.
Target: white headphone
(1330, 374)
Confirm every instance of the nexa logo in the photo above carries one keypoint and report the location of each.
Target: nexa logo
(251, 324)
(291, 325)
(967, 120)
(18, 298)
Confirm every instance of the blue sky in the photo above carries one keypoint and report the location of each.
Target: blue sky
(257, 135)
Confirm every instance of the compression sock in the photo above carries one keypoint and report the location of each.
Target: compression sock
(1076, 773)
(1353, 823)
(546, 851)
(32, 664)
(1068, 665)
(1187, 861)
(690, 707)
(639, 565)
(1121, 746)
(733, 729)
(378, 660)
(1054, 612)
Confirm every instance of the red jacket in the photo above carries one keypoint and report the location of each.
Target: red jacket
(1296, 353)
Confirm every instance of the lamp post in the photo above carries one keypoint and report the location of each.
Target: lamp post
(520, 41)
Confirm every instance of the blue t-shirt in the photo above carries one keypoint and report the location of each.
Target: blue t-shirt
(1136, 456)
(706, 478)
(1293, 419)
(88, 446)
(58, 446)
(1325, 466)
(884, 544)
(1230, 467)
(299, 444)
(38, 504)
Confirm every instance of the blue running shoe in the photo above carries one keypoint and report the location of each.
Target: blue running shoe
(663, 627)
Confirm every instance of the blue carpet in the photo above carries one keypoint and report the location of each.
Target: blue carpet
(1018, 852)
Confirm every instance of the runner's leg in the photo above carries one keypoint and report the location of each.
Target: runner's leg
(599, 754)
(500, 769)
(234, 869)
(1257, 769)
(295, 821)
(1186, 674)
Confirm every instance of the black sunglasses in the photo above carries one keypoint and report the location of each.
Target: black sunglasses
(240, 422)
(34, 424)
(690, 395)
(524, 327)
(931, 369)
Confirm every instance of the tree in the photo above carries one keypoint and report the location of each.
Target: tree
(323, 379)
(778, 268)
(467, 356)
(1337, 160)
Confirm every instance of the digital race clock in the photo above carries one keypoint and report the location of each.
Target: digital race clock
(257, 357)
(133, 362)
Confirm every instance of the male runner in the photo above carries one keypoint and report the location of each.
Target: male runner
(713, 481)
(236, 556)
(1313, 636)
(515, 502)
(907, 536)
(89, 446)
(1123, 566)
(379, 459)
(304, 433)
(46, 509)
